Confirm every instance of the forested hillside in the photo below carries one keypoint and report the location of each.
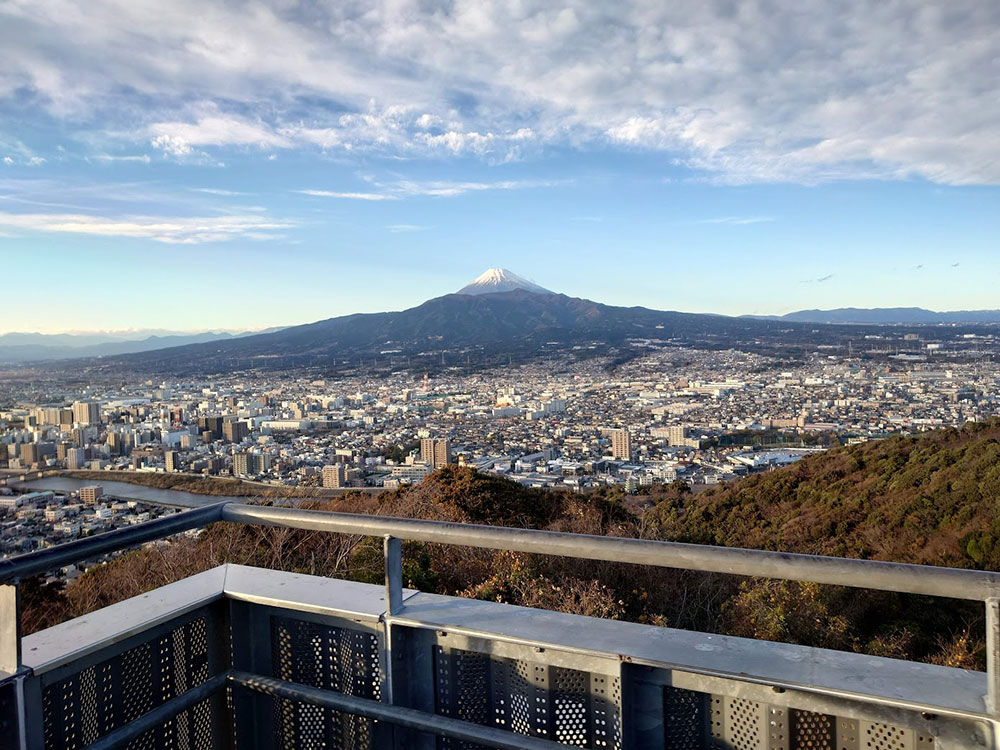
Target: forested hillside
(930, 499)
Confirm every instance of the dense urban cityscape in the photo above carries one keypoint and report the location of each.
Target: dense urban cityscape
(701, 417)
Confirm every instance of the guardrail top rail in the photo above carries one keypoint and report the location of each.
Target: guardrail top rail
(897, 577)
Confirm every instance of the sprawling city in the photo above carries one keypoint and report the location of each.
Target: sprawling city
(679, 414)
(461, 374)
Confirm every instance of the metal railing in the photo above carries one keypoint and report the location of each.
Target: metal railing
(902, 578)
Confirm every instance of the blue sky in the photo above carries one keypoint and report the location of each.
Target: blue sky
(192, 165)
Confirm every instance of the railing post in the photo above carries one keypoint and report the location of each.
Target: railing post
(993, 655)
(10, 627)
(13, 714)
(393, 549)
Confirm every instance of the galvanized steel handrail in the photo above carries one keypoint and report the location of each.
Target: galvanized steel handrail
(50, 558)
(903, 578)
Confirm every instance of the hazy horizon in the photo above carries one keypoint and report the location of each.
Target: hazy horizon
(144, 332)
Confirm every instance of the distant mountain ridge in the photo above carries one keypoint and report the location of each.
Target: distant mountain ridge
(497, 319)
(887, 316)
(498, 324)
(42, 347)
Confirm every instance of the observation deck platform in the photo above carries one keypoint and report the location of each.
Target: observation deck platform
(252, 658)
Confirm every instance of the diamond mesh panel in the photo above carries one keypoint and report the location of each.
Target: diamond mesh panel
(81, 708)
(332, 658)
(569, 706)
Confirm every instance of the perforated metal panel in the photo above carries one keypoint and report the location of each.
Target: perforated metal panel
(735, 723)
(82, 707)
(570, 706)
(188, 730)
(889, 737)
(685, 719)
(332, 658)
(813, 730)
(744, 724)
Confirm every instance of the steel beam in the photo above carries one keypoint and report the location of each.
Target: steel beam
(159, 716)
(441, 726)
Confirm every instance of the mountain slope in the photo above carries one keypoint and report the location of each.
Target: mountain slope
(511, 323)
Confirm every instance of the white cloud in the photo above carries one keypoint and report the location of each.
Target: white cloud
(218, 191)
(180, 138)
(174, 230)
(447, 188)
(140, 158)
(432, 188)
(348, 196)
(14, 151)
(739, 220)
(402, 228)
(743, 91)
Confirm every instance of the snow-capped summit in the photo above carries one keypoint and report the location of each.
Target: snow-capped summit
(501, 280)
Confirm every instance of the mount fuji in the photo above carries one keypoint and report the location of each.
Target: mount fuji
(498, 319)
(501, 280)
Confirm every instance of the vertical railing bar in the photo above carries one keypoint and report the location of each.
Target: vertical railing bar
(10, 651)
(22, 715)
(393, 550)
(10, 627)
(993, 656)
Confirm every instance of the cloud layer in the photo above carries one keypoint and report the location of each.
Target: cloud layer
(172, 230)
(744, 91)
